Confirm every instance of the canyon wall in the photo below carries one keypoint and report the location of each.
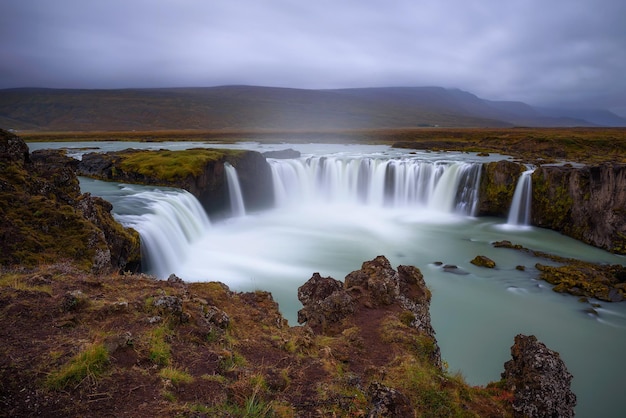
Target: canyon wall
(587, 203)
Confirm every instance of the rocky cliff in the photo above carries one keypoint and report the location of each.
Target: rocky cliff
(586, 203)
(497, 186)
(45, 218)
(199, 171)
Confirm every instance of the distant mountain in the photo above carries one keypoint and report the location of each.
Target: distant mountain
(253, 107)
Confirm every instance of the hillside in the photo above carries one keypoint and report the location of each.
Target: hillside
(250, 107)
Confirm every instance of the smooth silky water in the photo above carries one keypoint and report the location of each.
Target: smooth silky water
(476, 312)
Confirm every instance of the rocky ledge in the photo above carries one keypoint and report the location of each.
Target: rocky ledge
(75, 344)
(200, 171)
(45, 218)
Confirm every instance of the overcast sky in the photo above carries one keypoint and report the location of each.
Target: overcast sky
(569, 52)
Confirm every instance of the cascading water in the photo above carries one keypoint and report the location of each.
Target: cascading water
(237, 206)
(520, 211)
(173, 222)
(447, 187)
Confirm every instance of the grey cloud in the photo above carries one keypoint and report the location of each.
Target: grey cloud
(540, 52)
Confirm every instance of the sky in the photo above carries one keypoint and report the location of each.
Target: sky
(543, 52)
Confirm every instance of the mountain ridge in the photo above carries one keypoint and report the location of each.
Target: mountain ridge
(259, 107)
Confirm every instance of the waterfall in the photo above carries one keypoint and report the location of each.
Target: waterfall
(174, 220)
(237, 206)
(446, 186)
(519, 213)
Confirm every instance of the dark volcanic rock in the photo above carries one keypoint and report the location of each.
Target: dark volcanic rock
(325, 302)
(497, 186)
(586, 203)
(483, 261)
(388, 402)
(376, 285)
(539, 380)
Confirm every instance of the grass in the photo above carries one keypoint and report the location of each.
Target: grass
(18, 282)
(176, 376)
(169, 165)
(88, 364)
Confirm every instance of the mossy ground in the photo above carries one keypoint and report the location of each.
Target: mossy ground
(171, 165)
(117, 353)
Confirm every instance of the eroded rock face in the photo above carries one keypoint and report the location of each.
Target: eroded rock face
(497, 186)
(539, 380)
(325, 301)
(585, 203)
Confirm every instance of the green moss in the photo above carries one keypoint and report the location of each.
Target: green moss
(171, 165)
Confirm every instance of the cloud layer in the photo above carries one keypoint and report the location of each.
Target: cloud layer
(556, 52)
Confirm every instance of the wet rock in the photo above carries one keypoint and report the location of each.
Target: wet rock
(586, 203)
(539, 380)
(451, 268)
(483, 261)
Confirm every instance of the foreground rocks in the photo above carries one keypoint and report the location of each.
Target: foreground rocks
(75, 344)
(45, 218)
(539, 380)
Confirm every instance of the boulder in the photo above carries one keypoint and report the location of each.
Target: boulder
(539, 380)
(483, 261)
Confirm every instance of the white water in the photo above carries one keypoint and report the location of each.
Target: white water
(476, 315)
(396, 183)
(520, 211)
(237, 207)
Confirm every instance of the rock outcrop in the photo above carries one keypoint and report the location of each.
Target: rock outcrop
(539, 380)
(327, 302)
(200, 171)
(45, 218)
(497, 186)
(586, 203)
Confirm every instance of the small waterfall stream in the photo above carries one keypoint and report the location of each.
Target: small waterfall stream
(520, 211)
(237, 206)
